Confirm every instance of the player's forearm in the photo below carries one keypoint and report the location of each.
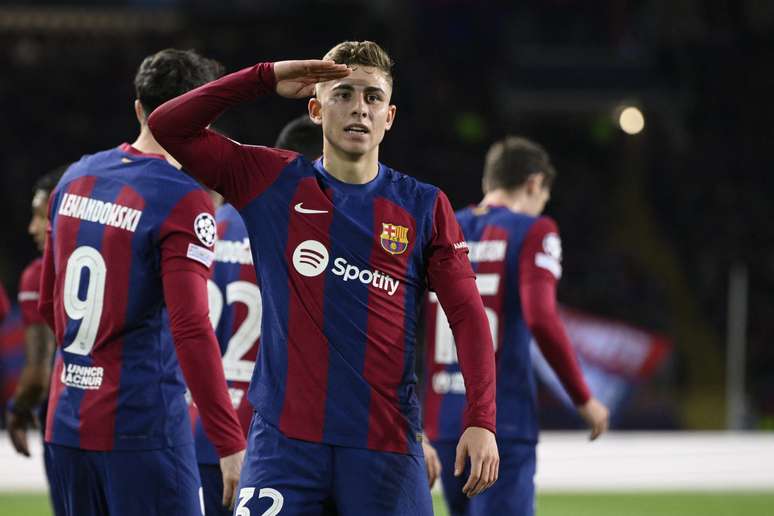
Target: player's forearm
(185, 294)
(465, 311)
(542, 318)
(180, 125)
(34, 378)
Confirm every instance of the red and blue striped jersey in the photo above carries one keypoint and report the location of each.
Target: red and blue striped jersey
(508, 251)
(117, 384)
(29, 293)
(343, 269)
(235, 313)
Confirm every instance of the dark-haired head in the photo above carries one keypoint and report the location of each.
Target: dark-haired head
(169, 73)
(42, 191)
(303, 136)
(512, 160)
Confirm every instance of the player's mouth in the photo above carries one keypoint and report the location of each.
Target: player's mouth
(356, 129)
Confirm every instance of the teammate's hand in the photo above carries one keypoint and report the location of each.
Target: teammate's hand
(596, 416)
(231, 468)
(296, 79)
(19, 421)
(432, 462)
(479, 444)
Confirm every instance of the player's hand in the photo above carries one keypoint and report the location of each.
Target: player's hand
(231, 468)
(19, 421)
(596, 416)
(479, 444)
(432, 462)
(296, 79)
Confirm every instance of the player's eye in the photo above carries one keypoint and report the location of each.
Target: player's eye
(373, 98)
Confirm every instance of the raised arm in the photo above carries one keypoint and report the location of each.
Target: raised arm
(451, 277)
(539, 271)
(238, 172)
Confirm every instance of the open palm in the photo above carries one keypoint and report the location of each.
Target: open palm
(296, 79)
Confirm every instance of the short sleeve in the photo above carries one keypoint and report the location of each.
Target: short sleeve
(448, 252)
(187, 237)
(541, 252)
(29, 295)
(5, 304)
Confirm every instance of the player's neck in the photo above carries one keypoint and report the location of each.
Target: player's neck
(147, 144)
(515, 201)
(346, 168)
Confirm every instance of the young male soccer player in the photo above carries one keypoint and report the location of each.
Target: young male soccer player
(517, 258)
(345, 248)
(235, 313)
(33, 383)
(126, 260)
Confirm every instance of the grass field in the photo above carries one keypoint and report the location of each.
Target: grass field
(586, 504)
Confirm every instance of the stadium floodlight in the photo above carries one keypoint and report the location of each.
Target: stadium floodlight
(631, 120)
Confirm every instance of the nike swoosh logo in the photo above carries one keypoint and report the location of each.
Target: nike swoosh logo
(301, 209)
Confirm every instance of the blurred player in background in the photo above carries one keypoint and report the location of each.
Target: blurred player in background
(5, 304)
(39, 344)
(345, 248)
(235, 313)
(517, 256)
(126, 261)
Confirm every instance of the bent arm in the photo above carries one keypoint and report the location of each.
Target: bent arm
(238, 172)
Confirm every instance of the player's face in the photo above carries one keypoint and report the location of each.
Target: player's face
(39, 220)
(354, 111)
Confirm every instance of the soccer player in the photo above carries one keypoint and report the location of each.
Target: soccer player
(517, 255)
(33, 383)
(235, 313)
(345, 248)
(124, 285)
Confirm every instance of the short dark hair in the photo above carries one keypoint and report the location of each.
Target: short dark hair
(365, 53)
(510, 162)
(303, 136)
(166, 74)
(48, 181)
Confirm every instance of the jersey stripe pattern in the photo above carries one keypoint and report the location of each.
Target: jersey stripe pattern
(117, 384)
(495, 238)
(29, 293)
(235, 311)
(341, 292)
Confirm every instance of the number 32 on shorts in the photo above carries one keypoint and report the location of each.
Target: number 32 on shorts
(247, 493)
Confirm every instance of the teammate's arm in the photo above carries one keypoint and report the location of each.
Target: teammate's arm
(237, 172)
(185, 262)
(451, 277)
(5, 304)
(34, 379)
(539, 272)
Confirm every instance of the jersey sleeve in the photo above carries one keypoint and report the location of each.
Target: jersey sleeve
(238, 172)
(48, 276)
(540, 267)
(451, 276)
(187, 237)
(29, 294)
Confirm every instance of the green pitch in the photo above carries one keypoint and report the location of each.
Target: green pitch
(587, 504)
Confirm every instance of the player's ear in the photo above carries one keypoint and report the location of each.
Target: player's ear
(391, 112)
(534, 183)
(139, 112)
(315, 110)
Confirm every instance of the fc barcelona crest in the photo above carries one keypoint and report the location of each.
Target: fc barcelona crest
(394, 238)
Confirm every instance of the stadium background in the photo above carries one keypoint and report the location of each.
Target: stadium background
(652, 223)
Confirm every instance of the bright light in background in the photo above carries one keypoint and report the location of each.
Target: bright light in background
(631, 120)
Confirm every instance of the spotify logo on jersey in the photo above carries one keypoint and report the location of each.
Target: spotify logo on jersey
(310, 258)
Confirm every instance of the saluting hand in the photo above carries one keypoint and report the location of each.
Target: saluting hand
(480, 445)
(296, 79)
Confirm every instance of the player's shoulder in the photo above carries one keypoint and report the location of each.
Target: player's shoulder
(407, 188)
(544, 224)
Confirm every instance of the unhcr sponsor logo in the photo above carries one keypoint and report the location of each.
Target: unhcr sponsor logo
(82, 377)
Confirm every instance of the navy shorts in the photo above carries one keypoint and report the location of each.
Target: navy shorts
(512, 494)
(290, 477)
(161, 482)
(212, 489)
